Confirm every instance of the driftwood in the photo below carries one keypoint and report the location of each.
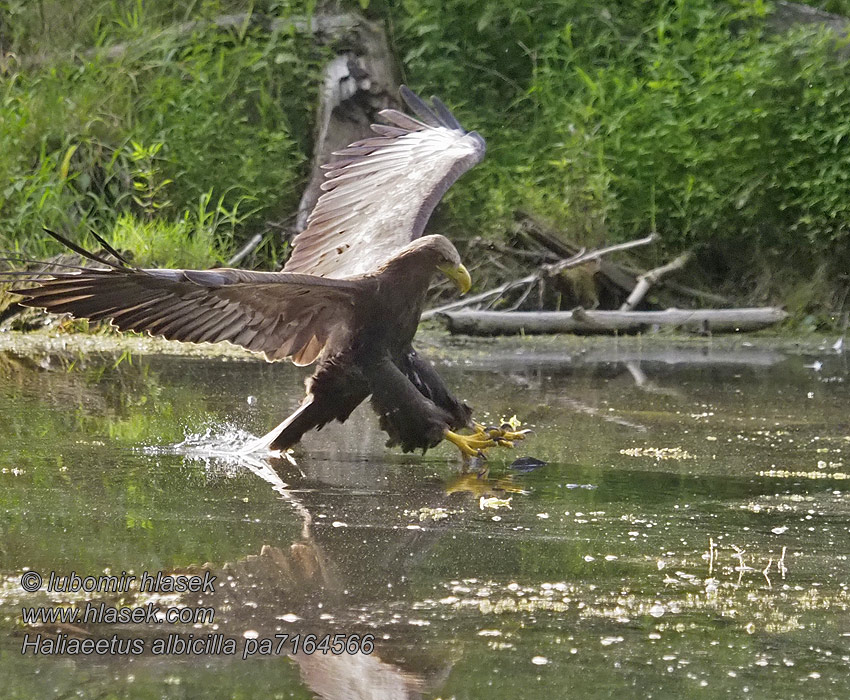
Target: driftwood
(646, 280)
(530, 280)
(581, 321)
(620, 275)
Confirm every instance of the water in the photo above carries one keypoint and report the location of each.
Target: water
(688, 535)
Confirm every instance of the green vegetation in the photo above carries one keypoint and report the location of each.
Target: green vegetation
(683, 116)
(199, 136)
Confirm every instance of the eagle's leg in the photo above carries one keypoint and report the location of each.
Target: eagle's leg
(425, 378)
(414, 420)
(411, 420)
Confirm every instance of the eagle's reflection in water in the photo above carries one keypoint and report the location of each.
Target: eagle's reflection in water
(335, 578)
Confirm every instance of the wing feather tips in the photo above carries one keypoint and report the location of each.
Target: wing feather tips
(403, 121)
(386, 130)
(435, 114)
(421, 108)
(444, 114)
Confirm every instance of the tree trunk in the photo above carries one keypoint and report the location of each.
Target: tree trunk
(362, 80)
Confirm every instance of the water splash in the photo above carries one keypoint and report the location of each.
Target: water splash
(223, 440)
(227, 450)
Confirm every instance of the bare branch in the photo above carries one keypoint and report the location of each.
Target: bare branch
(582, 258)
(545, 271)
(246, 250)
(646, 280)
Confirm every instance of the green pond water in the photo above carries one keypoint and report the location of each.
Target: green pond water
(688, 536)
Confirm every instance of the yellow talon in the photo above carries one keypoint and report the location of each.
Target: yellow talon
(469, 445)
(484, 437)
(500, 433)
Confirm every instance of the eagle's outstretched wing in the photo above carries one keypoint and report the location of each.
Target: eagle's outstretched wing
(380, 195)
(275, 313)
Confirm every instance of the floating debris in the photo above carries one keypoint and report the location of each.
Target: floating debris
(608, 641)
(513, 422)
(657, 610)
(433, 514)
(495, 503)
(527, 464)
(658, 453)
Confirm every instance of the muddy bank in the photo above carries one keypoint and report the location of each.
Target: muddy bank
(439, 343)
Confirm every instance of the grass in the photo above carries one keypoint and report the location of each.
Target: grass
(214, 116)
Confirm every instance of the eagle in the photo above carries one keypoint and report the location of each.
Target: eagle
(349, 298)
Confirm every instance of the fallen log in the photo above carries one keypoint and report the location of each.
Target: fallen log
(581, 321)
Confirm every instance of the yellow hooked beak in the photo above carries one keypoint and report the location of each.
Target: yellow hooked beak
(459, 275)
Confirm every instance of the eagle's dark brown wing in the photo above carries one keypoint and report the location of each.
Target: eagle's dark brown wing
(278, 314)
(380, 194)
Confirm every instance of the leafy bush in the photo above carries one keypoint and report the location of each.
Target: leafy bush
(225, 115)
